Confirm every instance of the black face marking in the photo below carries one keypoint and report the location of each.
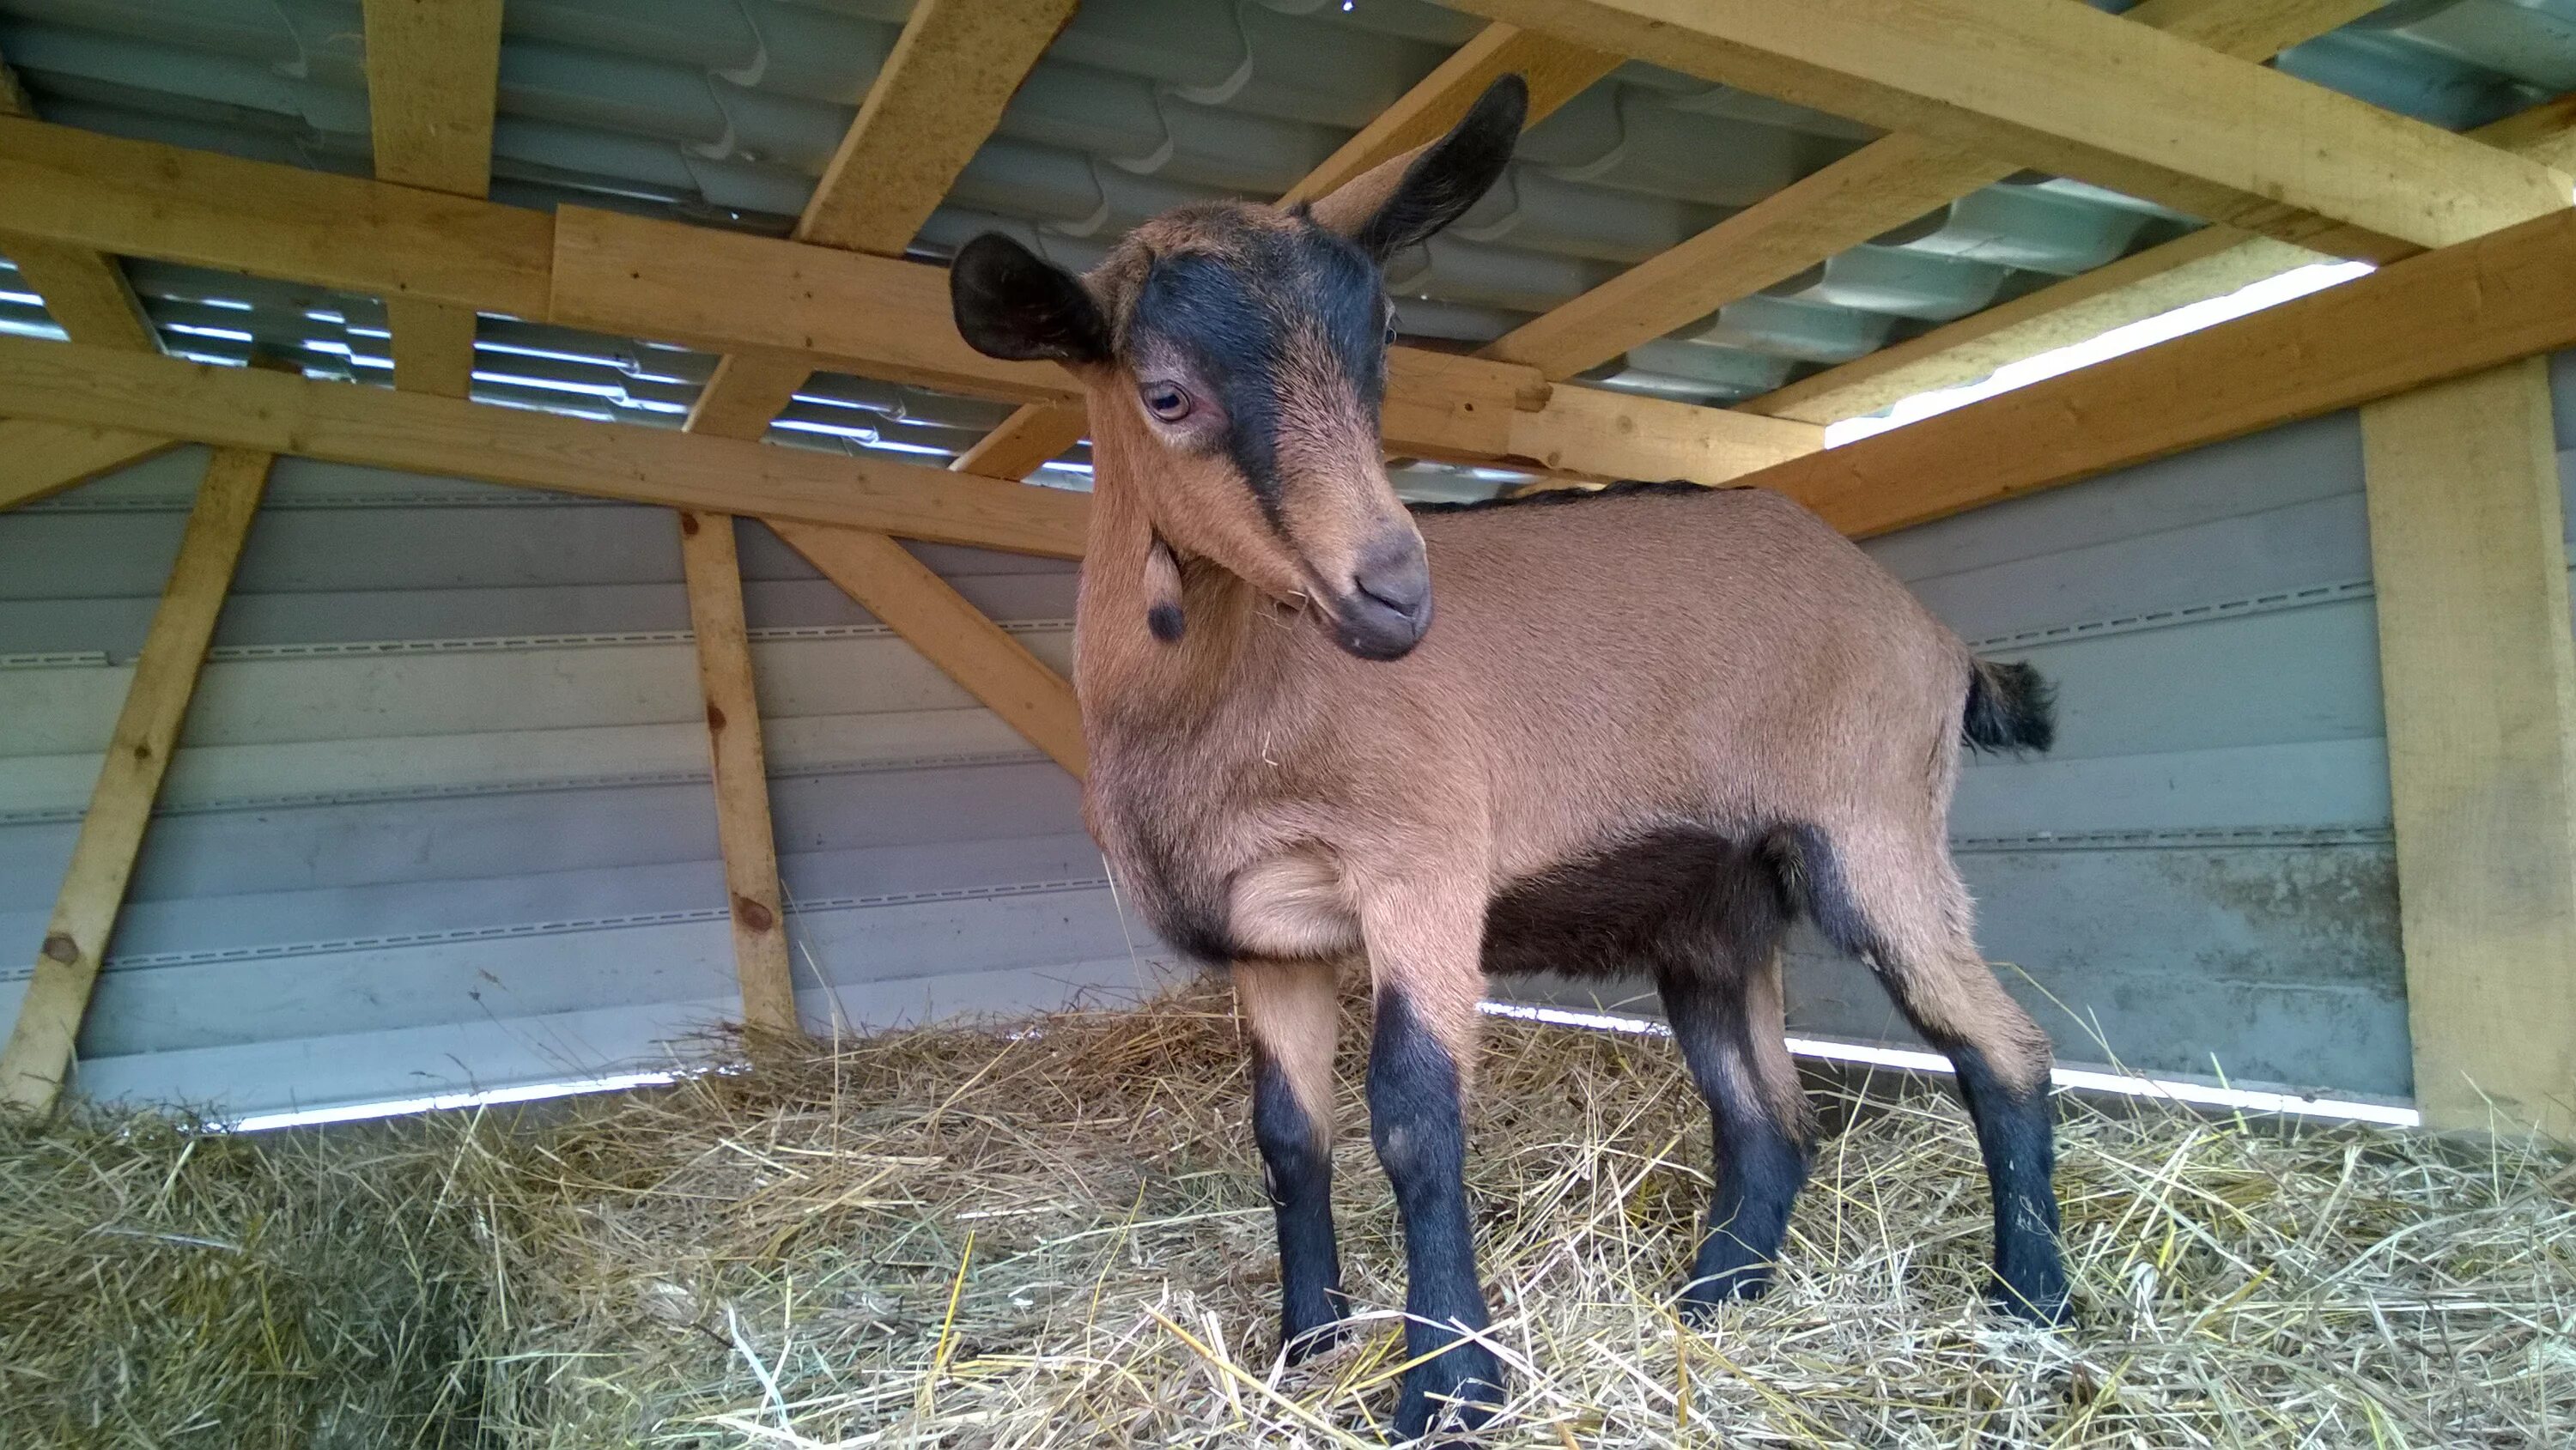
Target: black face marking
(1275, 301)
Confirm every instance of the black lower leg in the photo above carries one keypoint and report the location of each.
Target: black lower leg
(1415, 1122)
(1760, 1162)
(2016, 1136)
(1297, 1161)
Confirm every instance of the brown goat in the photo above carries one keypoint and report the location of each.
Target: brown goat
(1654, 724)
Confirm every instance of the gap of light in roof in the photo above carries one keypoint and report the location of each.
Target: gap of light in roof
(2147, 332)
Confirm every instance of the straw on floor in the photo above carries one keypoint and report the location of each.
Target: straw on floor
(1056, 1236)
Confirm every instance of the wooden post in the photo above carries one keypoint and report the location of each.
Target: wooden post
(741, 766)
(2468, 548)
(39, 1055)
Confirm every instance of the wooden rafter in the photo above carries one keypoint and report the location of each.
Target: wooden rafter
(847, 311)
(432, 68)
(2440, 315)
(84, 290)
(1557, 72)
(39, 1052)
(351, 423)
(2067, 89)
(1876, 189)
(2211, 262)
(954, 67)
(40, 459)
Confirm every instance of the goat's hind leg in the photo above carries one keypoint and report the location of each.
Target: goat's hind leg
(1726, 1015)
(1895, 900)
(1293, 1014)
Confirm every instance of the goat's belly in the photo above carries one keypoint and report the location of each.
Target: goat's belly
(1616, 910)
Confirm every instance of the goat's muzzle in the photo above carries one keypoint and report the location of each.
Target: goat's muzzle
(1386, 607)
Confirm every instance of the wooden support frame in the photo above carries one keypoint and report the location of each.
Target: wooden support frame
(755, 904)
(1556, 72)
(2070, 90)
(39, 1053)
(85, 292)
(433, 67)
(847, 311)
(1880, 187)
(40, 459)
(2468, 552)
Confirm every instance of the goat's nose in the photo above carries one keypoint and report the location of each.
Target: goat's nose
(1389, 605)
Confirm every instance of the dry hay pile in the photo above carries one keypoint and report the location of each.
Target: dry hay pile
(1057, 1237)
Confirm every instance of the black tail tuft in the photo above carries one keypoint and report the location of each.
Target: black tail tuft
(2009, 708)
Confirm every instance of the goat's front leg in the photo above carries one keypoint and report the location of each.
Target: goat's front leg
(1425, 942)
(1292, 1013)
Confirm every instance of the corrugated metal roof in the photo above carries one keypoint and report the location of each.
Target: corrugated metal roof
(724, 112)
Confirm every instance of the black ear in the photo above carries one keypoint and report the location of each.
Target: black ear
(1011, 303)
(1403, 201)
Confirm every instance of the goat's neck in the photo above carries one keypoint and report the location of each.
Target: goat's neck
(1129, 679)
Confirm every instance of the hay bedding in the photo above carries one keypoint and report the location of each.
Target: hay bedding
(1056, 1237)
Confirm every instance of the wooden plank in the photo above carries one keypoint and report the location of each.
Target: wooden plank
(40, 459)
(2073, 91)
(1555, 72)
(1876, 189)
(950, 632)
(2459, 310)
(953, 69)
(1026, 440)
(39, 1053)
(432, 70)
(2211, 262)
(755, 904)
(349, 423)
(140, 199)
(2470, 562)
(85, 293)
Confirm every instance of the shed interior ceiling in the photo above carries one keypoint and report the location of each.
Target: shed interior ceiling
(725, 112)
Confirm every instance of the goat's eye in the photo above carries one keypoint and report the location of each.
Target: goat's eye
(1167, 401)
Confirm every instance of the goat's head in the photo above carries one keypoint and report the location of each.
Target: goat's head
(1235, 356)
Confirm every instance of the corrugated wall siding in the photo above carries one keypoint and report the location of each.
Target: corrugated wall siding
(2199, 878)
(440, 817)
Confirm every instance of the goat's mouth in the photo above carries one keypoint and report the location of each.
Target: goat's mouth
(1379, 618)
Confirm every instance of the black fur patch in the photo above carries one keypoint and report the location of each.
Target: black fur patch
(1299, 1166)
(1553, 497)
(2010, 707)
(1453, 174)
(1416, 1125)
(1661, 895)
(1166, 622)
(1760, 1166)
(1009, 302)
(2016, 1137)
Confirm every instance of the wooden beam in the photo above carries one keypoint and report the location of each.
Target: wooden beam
(40, 459)
(2211, 262)
(2459, 310)
(2469, 556)
(39, 1053)
(140, 199)
(1874, 190)
(717, 289)
(953, 70)
(84, 291)
(755, 904)
(950, 632)
(432, 70)
(1556, 73)
(2070, 90)
(350, 423)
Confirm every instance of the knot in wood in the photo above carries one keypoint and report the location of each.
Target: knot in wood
(752, 914)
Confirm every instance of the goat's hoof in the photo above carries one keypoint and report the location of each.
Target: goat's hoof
(1713, 1287)
(1297, 1345)
(2038, 1297)
(1459, 1390)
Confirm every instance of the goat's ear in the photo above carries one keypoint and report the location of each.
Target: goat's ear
(1399, 202)
(1011, 303)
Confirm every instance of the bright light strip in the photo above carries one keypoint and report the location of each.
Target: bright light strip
(2147, 332)
(2086, 1079)
(437, 1102)
(226, 334)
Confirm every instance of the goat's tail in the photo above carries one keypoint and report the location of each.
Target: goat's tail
(2009, 708)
